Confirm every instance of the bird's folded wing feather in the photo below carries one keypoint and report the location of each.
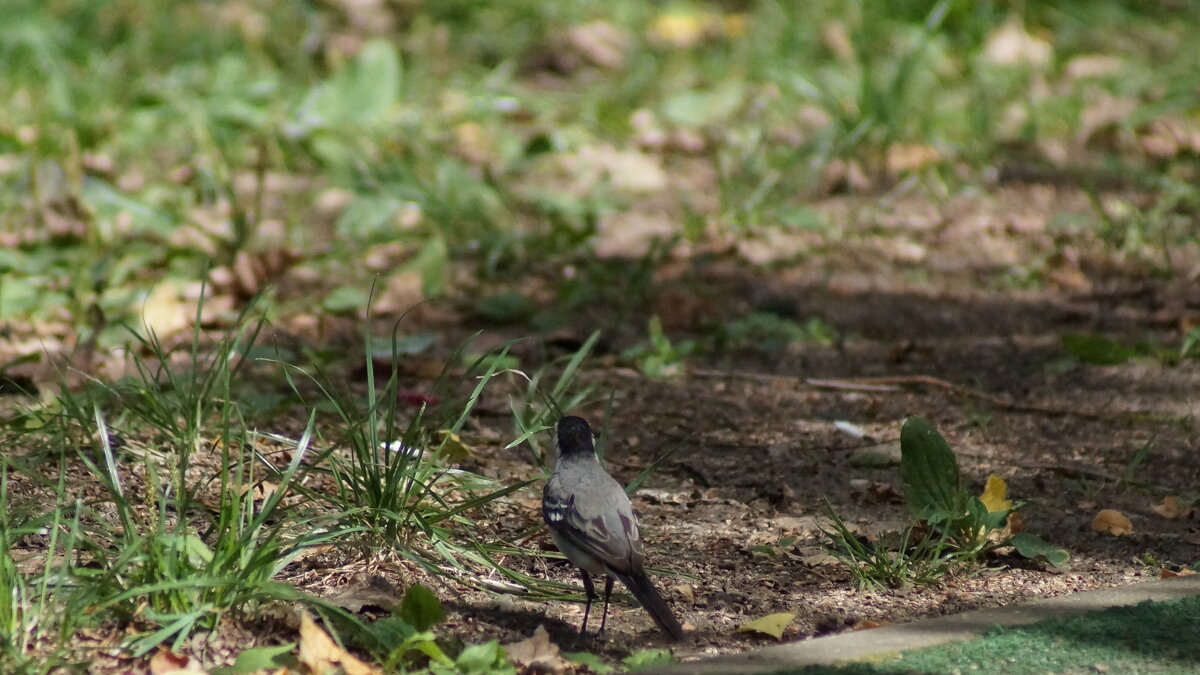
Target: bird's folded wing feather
(607, 532)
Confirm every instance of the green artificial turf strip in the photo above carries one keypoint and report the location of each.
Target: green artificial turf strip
(1160, 638)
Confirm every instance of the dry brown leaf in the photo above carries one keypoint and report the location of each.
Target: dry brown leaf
(687, 592)
(537, 651)
(841, 175)
(167, 662)
(628, 170)
(373, 17)
(164, 312)
(836, 38)
(1011, 45)
(631, 234)
(1015, 523)
(367, 590)
(1112, 521)
(1103, 111)
(1092, 65)
(867, 624)
(474, 143)
(1170, 508)
(251, 272)
(903, 157)
(1165, 573)
(321, 655)
(1168, 137)
(262, 490)
(601, 43)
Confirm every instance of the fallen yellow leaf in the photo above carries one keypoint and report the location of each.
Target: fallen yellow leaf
(994, 495)
(679, 29)
(771, 624)
(164, 313)
(1112, 521)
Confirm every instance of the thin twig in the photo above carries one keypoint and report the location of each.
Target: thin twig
(895, 382)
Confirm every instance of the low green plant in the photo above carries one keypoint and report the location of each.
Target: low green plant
(538, 410)
(23, 604)
(395, 473)
(891, 560)
(769, 333)
(954, 530)
(1190, 349)
(934, 492)
(1154, 232)
(179, 547)
(660, 359)
(776, 549)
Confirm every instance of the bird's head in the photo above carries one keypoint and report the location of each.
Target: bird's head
(574, 437)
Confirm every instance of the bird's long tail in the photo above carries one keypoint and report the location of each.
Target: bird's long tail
(643, 589)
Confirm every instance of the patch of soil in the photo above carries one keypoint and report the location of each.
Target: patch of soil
(732, 520)
(761, 452)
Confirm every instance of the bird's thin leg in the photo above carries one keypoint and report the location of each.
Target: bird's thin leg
(591, 593)
(608, 582)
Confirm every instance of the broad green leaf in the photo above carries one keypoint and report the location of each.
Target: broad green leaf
(1098, 350)
(979, 516)
(648, 658)
(506, 307)
(771, 624)
(430, 263)
(19, 296)
(362, 93)
(424, 642)
(383, 347)
(421, 608)
(391, 631)
(499, 361)
(932, 484)
(344, 299)
(702, 108)
(370, 219)
(1035, 548)
(265, 658)
(197, 552)
(592, 662)
(487, 658)
(373, 84)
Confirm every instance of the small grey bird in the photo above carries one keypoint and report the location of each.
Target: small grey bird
(593, 524)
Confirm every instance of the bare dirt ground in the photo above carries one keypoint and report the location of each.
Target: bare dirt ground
(933, 336)
(761, 451)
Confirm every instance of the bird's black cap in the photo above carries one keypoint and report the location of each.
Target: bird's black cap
(574, 437)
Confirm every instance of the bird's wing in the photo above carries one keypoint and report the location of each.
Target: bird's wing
(606, 529)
